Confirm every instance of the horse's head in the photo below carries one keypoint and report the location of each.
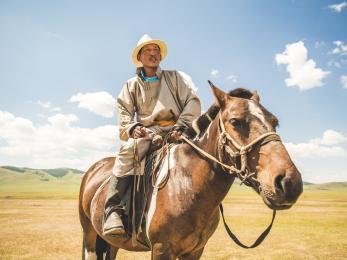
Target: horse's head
(250, 130)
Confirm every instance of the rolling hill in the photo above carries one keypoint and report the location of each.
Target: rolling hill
(21, 182)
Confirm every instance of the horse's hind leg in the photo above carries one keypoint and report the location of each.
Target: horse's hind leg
(104, 251)
(95, 248)
(89, 245)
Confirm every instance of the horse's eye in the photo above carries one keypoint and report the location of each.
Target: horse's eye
(235, 122)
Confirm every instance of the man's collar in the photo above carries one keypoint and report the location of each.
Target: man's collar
(158, 72)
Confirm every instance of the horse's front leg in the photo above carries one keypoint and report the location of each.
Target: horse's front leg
(193, 255)
(162, 252)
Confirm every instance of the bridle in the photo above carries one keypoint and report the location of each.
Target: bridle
(239, 151)
(243, 173)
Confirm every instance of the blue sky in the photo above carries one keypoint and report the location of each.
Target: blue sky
(63, 63)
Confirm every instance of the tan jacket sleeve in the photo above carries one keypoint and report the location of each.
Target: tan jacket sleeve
(126, 111)
(191, 106)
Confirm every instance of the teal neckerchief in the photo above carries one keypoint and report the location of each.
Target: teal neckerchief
(149, 79)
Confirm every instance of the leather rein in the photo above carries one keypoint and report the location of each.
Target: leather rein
(243, 173)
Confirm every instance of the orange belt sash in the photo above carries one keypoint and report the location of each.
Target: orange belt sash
(164, 123)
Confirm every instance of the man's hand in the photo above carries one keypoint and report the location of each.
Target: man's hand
(138, 132)
(175, 134)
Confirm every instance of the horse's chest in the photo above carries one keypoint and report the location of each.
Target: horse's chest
(180, 190)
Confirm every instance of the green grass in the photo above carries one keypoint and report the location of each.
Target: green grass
(39, 220)
(315, 228)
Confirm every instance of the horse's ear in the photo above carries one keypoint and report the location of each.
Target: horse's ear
(255, 96)
(219, 95)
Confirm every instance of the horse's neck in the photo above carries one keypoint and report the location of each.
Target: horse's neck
(217, 180)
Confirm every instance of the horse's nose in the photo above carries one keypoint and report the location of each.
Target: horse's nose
(278, 183)
(290, 189)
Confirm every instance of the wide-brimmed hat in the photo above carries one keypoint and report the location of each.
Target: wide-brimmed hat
(146, 39)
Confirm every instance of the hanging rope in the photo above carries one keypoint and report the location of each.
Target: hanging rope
(244, 174)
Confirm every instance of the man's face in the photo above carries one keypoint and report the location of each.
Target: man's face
(150, 55)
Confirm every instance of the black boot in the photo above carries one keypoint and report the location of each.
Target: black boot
(113, 209)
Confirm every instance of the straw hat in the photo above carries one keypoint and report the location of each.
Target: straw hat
(146, 39)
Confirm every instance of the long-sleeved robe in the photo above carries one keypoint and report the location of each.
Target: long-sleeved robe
(159, 106)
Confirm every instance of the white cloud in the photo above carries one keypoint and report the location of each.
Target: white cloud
(44, 104)
(337, 64)
(318, 170)
(341, 48)
(338, 7)
(56, 109)
(215, 73)
(188, 80)
(57, 143)
(312, 150)
(321, 159)
(60, 143)
(343, 80)
(48, 105)
(100, 103)
(62, 121)
(303, 73)
(330, 137)
(323, 147)
(319, 44)
(334, 63)
(233, 78)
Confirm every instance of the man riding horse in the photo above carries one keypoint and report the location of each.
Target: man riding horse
(154, 102)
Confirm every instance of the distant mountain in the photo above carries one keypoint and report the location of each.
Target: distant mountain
(308, 183)
(58, 172)
(336, 186)
(21, 182)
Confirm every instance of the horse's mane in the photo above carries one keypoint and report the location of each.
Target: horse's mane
(200, 125)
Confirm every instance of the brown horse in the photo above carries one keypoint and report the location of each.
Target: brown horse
(240, 140)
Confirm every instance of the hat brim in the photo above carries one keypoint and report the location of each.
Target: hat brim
(161, 44)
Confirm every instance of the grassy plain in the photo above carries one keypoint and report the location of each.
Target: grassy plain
(42, 223)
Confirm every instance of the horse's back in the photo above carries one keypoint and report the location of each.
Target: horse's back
(91, 181)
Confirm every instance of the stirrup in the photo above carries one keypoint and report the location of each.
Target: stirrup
(115, 232)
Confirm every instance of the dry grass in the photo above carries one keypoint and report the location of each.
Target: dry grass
(315, 228)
